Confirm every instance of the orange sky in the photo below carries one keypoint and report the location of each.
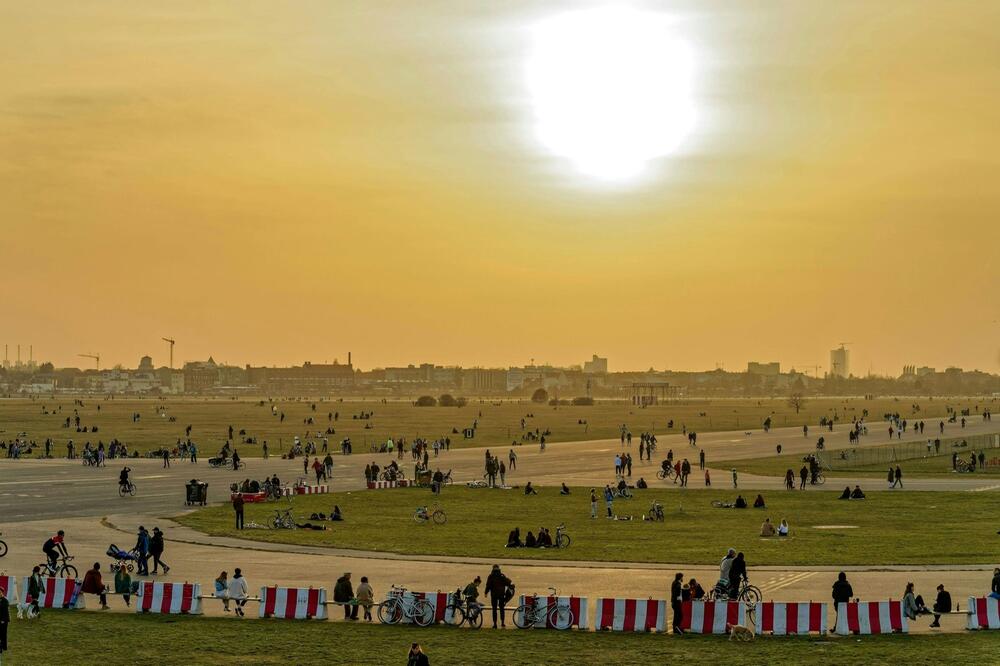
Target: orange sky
(275, 182)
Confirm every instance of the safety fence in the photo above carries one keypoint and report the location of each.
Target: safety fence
(878, 454)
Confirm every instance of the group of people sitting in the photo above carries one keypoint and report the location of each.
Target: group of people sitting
(849, 494)
(741, 503)
(768, 530)
(543, 540)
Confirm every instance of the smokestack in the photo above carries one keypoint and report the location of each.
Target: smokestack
(348, 358)
(19, 354)
(31, 353)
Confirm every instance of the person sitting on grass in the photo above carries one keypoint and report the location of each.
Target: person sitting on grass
(856, 493)
(759, 502)
(641, 483)
(783, 528)
(530, 541)
(846, 494)
(544, 538)
(740, 502)
(622, 486)
(564, 490)
(336, 515)
(514, 538)
(528, 490)
(767, 529)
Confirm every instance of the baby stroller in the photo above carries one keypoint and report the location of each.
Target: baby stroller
(124, 560)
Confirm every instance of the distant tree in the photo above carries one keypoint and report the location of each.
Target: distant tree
(540, 395)
(797, 401)
(583, 401)
(46, 367)
(425, 401)
(447, 400)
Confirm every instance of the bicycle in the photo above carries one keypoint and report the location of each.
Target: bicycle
(283, 520)
(458, 613)
(664, 474)
(64, 570)
(126, 489)
(622, 493)
(3, 547)
(818, 480)
(422, 516)
(557, 614)
(962, 466)
(390, 475)
(749, 595)
(562, 539)
(656, 511)
(397, 608)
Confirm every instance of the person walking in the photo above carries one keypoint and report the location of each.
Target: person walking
(328, 467)
(343, 593)
(701, 459)
(4, 620)
(238, 508)
(35, 590)
(676, 602)
(156, 550)
(366, 597)
(609, 499)
(503, 474)
(142, 551)
(193, 450)
(735, 480)
(842, 592)
(238, 591)
(898, 476)
(496, 589)
(803, 477)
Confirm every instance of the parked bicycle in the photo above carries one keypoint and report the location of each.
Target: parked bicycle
(392, 475)
(556, 614)
(400, 606)
(126, 489)
(458, 612)
(656, 511)
(422, 515)
(283, 520)
(562, 539)
(622, 493)
(3, 546)
(63, 569)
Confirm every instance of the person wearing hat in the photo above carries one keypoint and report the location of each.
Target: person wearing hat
(156, 550)
(343, 593)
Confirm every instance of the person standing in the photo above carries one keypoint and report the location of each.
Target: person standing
(803, 476)
(677, 602)
(193, 450)
(735, 479)
(593, 503)
(496, 590)
(35, 590)
(328, 464)
(366, 597)
(238, 508)
(701, 459)
(609, 498)
(628, 464)
(512, 458)
(238, 590)
(343, 593)
(142, 551)
(4, 619)
(156, 550)
(842, 592)
(898, 474)
(166, 458)
(503, 474)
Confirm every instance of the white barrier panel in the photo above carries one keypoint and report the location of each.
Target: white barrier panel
(578, 606)
(169, 598)
(790, 619)
(711, 617)
(402, 483)
(56, 593)
(631, 614)
(9, 586)
(984, 613)
(871, 617)
(293, 603)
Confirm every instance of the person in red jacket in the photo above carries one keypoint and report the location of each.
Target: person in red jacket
(94, 584)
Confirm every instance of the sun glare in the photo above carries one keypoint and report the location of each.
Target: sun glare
(611, 89)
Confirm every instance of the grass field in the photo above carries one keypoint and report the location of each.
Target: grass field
(79, 637)
(891, 528)
(498, 423)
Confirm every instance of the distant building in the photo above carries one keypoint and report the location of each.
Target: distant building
(200, 376)
(484, 380)
(307, 379)
(840, 363)
(772, 369)
(146, 364)
(596, 366)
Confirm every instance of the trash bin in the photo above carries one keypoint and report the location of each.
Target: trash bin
(197, 492)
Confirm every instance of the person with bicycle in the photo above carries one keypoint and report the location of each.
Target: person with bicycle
(737, 576)
(52, 547)
(123, 478)
(470, 593)
(496, 589)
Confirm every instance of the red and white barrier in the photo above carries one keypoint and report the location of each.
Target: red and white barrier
(293, 603)
(311, 490)
(56, 593)
(250, 498)
(631, 614)
(711, 617)
(791, 619)
(375, 485)
(984, 613)
(578, 605)
(9, 586)
(871, 617)
(169, 598)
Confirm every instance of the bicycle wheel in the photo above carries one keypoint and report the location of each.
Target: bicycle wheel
(454, 615)
(390, 611)
(563, 541)
(820, 479)
(423, 613)
(751, 595)
(121, 491)
(419, 518)
(439, 517)
(131, 489)
(474, 616)
(524, 616)
(69, 571)
(561, 617)
(276, 523)
(661, 475)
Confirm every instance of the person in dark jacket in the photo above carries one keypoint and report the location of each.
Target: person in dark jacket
(737, 574)
(142, 551)
(941, 605)
(94, 584)
(4, 619)
(496, 590)
(156, 549)
(35, 590)
(995, 586)
(676, 600)
(416, 657)
(842, 591)
(343, 593)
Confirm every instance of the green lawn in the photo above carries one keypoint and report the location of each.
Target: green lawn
(116, 639)
(499, 423)
(892, 528)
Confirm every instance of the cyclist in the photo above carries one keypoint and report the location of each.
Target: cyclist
(471, 592)
(666, 465)
(123, 479)
(53, 546)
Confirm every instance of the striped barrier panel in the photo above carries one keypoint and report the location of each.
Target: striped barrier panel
(577, 605)
(871, 617)
(631, 614)
(169, 598)
(56, 593)
(293, 603)
(311, 490)
(791, 619)
(250, 498)
(9, 586)
(984, 613)
(712, 617)
(375, 485)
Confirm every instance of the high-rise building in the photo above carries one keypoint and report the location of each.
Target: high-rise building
(596, 366)
(840, 362)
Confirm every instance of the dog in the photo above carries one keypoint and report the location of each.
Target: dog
(737, 632)
(26, 612)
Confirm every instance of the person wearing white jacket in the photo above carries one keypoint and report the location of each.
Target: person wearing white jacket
(238, 591)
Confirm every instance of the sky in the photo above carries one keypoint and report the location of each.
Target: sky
(269, 183)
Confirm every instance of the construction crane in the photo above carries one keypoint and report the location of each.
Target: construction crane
(96, 357)
(844, 344)
(171, 341)
(809, 366)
